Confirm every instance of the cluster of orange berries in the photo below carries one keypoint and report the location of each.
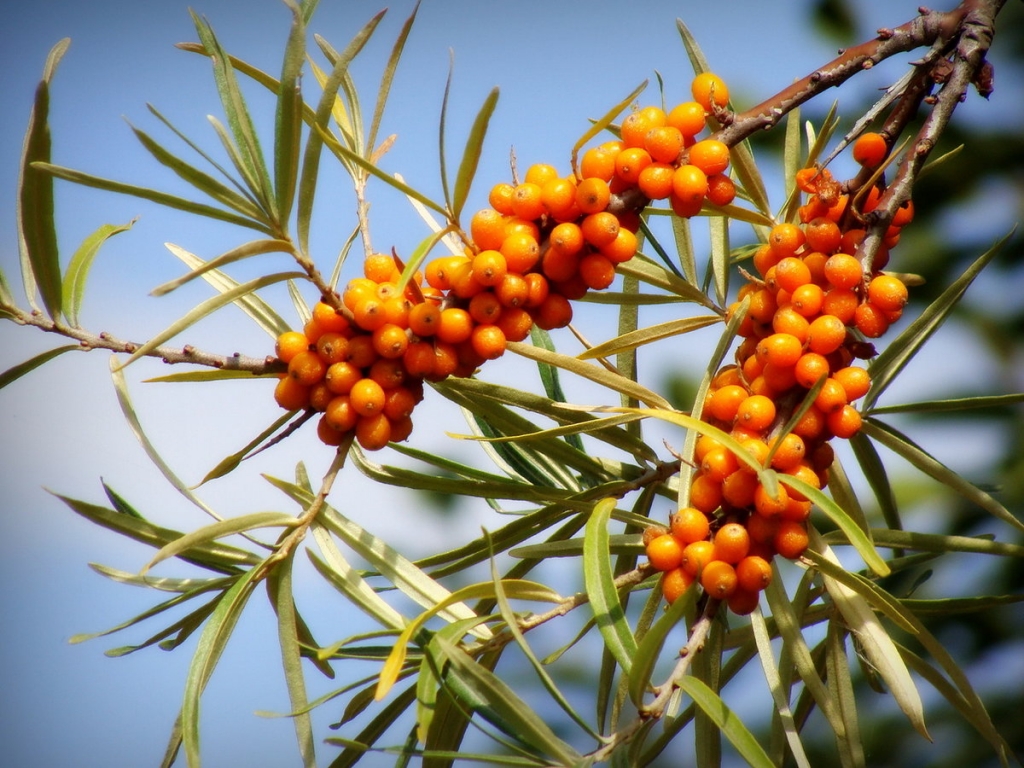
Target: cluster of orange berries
(542, 243)
(790, 391)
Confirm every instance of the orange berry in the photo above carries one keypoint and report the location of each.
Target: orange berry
(630, 162)
(689, 524)
(599, 229)
(843, 271)
(823, 235)
(808, 300)
(844, 422)
(708, 89)
(664, 143)
(854, 380)
(826, 334)
(455, 325)
(904, 214)
(753, 573)
(446, 360)
(512, 291)
(373, 432)
(554, 312)
(484, 307)
(538, 288)
(696, 556)
(289, 344)
(597, 271)
(768, 505)
(809, 368)
(840, 302)
(870, 320)
(500, 198)
(419, 359)
(688, 117)
(870, 149)
(787, 320)
(779, 349)
(655, 180)
(725, 402)
(710, 155)
(592, 195)
(379, 267)
(789, 451)
(811, 424)
(439, 271)
(721, 189)
(399, 402)
(390, 341)
(623, 247)
(489, 267)
(636, 125)
(743, 602)
(328, 435)
(705, 493)
(791, 539)
(312, 330)
(291, 395)
(515, 323)
(690, 184)
(718, 464)
(756, 413)
(488, 341)
(786, 238)
(526, 202)
(732, 542)
(665, 552)
(540, 173)
(888, 293)
(329, 319)
(307, 368)
(389, 373)
(791, 273)
(424, 318)
(340, 414)
(367, 397)
(567, 238)
(599, 163)
(558, 195)
(831, 397)
(674, 584)
(738, 488)
(807, 475)
(719, 579)
(487, 228)
(341, 376)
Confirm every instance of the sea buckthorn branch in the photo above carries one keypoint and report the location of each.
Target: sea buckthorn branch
(975, 37)
(929, 28)
(258, 366)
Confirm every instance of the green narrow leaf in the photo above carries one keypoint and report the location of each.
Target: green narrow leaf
(955, 405)
(230, 463)
(875, 642)
(600, 584)
(604, 122)
(212, 643)
(902, 349)
(649, 649)
(279, 585)
(243, 204)
(244, 251)
(219, 530)
(719, 227)
(875, 473)
(288, 120)
(255, 307)
(73, 287)
(779, 693)
(905, 447)
(16, 372)
(841, 685)
(37, 235)
(388, 77)
(791, 162)
(246, 139)
(341, 575)
(658, 276)
(145, 193)
(512, 625)
(471, 154)
(207, 308)
(515, 715)
(727, 721)
(629, 341)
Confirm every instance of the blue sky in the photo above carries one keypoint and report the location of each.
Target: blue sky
(556, 63)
